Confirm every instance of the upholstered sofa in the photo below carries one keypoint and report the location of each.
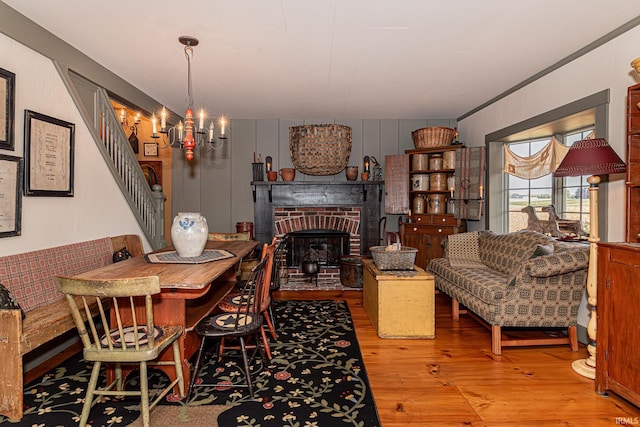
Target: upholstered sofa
(514, 282)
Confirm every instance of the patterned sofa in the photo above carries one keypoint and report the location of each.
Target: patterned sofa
(517, 280)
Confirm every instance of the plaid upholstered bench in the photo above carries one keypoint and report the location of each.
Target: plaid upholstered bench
(29, 277)
(512, 282)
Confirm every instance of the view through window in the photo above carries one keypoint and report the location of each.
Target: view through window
(569, 195)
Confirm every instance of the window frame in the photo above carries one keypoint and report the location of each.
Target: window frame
(594, 109)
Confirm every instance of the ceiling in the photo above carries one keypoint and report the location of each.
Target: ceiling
(330, 58)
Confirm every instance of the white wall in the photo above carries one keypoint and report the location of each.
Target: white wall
(97, 209)
(606, 67)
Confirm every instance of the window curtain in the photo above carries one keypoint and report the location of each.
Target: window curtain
(540, 164)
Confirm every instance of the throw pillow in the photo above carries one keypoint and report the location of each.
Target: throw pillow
(8, 302)
(539, 250)
(463, 250)
(121, 255)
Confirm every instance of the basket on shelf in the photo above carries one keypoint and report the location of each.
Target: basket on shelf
(434, 136)
(402, 259)
(320, 149)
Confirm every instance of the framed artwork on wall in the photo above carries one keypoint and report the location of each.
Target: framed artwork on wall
(151, 149)
(7, 109)
(48, 155)
(10, 195)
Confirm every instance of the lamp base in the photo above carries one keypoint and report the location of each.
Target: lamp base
(582, 367)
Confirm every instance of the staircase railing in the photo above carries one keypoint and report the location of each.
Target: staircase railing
(98, 113)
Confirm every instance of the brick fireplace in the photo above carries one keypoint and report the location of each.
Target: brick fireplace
(353, 207)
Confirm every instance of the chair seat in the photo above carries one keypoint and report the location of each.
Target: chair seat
(225, 325)
(165, 335)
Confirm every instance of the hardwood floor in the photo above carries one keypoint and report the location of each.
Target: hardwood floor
(454, 379)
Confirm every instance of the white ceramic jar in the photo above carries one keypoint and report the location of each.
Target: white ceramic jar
(189, 233)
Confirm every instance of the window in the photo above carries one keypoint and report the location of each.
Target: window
(569, 195)
(567, 123)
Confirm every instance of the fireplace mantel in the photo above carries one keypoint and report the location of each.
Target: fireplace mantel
(367, 195)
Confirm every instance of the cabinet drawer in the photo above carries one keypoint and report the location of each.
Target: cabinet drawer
(435, 220)
(430, 229)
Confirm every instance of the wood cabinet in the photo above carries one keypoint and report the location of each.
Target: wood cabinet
(426, 233)
(399, 305)
(633, 164)
(618, 336)
(423, 181)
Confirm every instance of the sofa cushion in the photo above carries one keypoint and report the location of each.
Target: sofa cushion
(483, 283)
(504, 252)
(539, 250)
(30, 276)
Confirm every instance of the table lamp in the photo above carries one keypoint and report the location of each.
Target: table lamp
(593, 157)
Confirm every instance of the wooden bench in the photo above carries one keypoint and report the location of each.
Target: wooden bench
(30, 277)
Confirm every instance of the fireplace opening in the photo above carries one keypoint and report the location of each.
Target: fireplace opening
(327, 245)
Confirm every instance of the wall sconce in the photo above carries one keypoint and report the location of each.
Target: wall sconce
(269, 162)
(366, 164)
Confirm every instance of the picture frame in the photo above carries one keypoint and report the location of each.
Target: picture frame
(150, 149)
(7, 109)
(48, 156)
(11, 174)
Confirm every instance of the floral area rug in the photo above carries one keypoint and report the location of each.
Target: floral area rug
(316, 378)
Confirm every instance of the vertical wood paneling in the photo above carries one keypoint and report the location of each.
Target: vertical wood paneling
(240, 199)
(217, 184)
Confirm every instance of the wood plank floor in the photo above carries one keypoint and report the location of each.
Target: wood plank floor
(455, 380)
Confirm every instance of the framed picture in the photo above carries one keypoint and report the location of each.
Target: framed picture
(10, 195)
(48, 154)
(7, 109)
(151, 149)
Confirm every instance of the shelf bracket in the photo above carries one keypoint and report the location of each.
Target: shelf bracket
(364, 193)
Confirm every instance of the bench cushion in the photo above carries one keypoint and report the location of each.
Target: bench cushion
(30, 276)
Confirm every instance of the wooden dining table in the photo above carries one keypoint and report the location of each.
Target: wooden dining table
(189, 293)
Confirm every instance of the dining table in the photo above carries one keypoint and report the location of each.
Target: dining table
(189, 293)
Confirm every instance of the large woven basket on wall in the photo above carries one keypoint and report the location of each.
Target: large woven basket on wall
(320, 149)
(434, 136)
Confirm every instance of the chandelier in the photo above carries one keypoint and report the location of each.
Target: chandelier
(187, 135)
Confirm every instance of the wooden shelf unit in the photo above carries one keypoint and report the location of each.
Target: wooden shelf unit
(428, 227)
(633, 164)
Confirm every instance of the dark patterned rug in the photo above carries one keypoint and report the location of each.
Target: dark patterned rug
(316, 378)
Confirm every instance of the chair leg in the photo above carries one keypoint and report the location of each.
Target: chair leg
(88, 399)
(178, 362)
(144, 394)
(194, 374)
(245, 359)
(265, 342)
(270, 324)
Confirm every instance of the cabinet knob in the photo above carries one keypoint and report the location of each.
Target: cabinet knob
(415, 229)
(444, 219)
(439, 230)
(419, 219)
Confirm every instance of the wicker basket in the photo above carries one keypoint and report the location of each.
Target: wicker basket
(320, 149)
(434, 136)
(402, 259)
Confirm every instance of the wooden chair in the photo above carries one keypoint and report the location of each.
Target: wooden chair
(244, 322)
(230, 302)
(128, 342)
